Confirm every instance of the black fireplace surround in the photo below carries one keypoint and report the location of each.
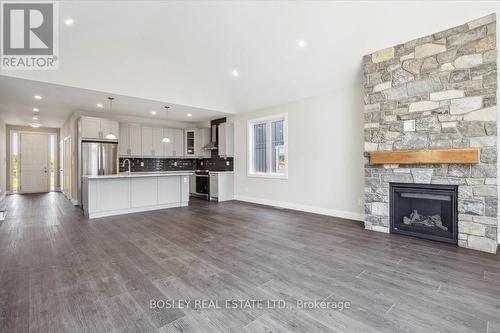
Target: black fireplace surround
(425, 211)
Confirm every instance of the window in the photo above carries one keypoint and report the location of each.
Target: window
(14, 162)
(267, 147)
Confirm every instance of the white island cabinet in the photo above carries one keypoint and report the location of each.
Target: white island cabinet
(138, 192)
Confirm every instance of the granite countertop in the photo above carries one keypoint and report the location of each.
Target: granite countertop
(143, 174)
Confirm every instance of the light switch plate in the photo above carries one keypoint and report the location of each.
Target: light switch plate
(142, 164)
(409, 125)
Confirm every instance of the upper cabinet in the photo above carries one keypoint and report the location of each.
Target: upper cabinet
(190, 139)
(135, 146)
(147, 141)
(195, 141)
(178, 144)
(158, 146)
(98, 128)
(226, 140)
(124, 144)
(203, 140)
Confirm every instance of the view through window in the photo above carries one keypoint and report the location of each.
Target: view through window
(267, 147)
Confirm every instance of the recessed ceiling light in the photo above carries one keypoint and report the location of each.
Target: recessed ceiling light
(99, 105)
(302, 43)
(35, 125)
(69, 21)
(37, 97)
(189, 115)
(235, 73)
(153, 112)
(35, 110)
(35, 118)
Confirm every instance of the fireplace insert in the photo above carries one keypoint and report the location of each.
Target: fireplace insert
(425, 211)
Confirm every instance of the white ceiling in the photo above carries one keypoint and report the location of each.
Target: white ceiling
(59, 102)
(183, 52)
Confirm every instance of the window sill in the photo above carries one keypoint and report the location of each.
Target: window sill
(268, 175)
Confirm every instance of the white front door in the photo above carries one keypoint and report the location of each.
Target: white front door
(34, 162)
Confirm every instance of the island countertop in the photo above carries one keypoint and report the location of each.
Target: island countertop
(142, 174)
(125, 193)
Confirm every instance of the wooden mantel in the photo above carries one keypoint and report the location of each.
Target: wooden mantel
(433, 156)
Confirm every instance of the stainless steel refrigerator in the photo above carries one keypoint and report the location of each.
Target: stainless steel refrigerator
(98, 158)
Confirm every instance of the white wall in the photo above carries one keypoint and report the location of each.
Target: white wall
(325, 156)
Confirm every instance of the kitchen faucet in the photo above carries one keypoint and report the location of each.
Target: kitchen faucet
(123, 164)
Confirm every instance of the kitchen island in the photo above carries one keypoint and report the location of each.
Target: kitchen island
(125, 193)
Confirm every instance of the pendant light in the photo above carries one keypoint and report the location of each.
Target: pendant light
(110, 136)
(165, 138)
(36, 118)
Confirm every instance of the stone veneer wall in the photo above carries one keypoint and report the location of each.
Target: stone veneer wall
(437, 91)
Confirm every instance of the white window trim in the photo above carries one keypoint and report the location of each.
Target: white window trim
(268, 119)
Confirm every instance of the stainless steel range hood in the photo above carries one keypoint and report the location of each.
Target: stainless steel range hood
(212, 145)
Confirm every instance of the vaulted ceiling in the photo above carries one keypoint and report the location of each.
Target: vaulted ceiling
(184, 52)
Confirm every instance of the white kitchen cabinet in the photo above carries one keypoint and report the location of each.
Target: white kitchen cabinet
(168, 147)
(221, 186)
(178, 147)
(203, 139)
(192, 184)
(135, 138)
(147, 141)
(158, 149)
(124, 143)
(190, 137)
(226, 140)
(97, 128)
(123, 194)
(90, 127)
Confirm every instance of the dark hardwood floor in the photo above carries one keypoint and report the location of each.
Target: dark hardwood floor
(60, 272)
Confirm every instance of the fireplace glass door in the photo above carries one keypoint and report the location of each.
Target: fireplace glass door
(426, 211)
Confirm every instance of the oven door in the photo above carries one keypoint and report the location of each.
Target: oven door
(202, 185)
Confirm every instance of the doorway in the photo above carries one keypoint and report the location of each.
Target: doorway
(32, 162)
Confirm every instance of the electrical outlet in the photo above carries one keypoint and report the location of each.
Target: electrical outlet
(142, 164)
(228, 163)
(175, 163)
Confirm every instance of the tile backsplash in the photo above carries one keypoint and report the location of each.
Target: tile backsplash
(215, 164)
(174, 164)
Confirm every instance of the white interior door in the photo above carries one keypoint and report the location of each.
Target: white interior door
(67, 167)
(34, 162)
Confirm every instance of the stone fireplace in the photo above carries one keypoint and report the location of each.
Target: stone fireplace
(435, 92)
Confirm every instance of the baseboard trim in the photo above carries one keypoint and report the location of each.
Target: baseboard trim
(302, 208)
